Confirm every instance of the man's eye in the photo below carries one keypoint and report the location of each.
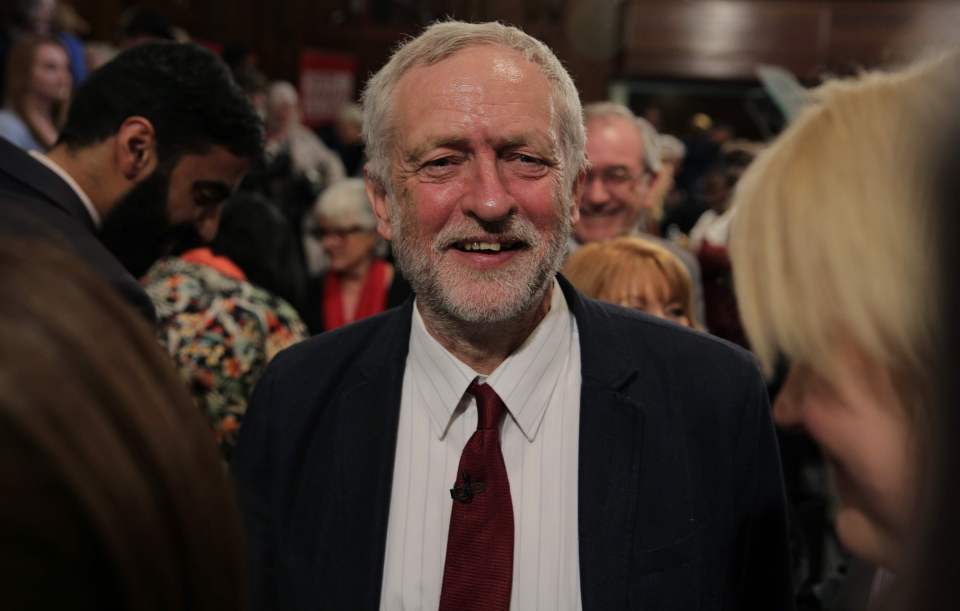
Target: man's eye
(440, 167)
(208, 198)
(528, 166)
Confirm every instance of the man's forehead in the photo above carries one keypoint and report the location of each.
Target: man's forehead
(448, 99)
(614, 135)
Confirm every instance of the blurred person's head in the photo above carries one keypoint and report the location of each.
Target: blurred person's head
(833, 251)
(36, 16)
(624, 157)
(158, 139)
(349, 124)
(283, 106)
(114, 496)
(634, 273)
(346, 227)
(253, 83)
(717, 184)
(476, 195)
(38, 80)
(140, 25)
(256, 236)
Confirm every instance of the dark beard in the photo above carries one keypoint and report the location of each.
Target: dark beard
(138, 231)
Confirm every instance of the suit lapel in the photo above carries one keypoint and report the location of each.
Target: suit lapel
(369, 415)
(20, 167)
(611, 432)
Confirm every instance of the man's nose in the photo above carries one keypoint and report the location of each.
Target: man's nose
(488, 197)
(595, 190)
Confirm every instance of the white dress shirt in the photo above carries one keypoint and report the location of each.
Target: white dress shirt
(87, 203)
(540, 385)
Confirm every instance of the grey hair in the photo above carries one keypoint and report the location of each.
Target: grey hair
(350, 113)
(671, 148)
(648, 133)
(444, 39)
(345, 203)
(282, 92)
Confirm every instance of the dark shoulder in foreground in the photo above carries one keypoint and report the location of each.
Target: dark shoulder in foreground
(364, 343)
(649, 350)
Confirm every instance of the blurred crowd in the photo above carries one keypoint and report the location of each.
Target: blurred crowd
(818, 251)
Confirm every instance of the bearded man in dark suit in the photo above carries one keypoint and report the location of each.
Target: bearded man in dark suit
(154, 143)
(502, 442)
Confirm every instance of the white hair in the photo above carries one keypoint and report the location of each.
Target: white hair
(671, 148)
(345, 203)
(282, 92)
(444, 39)
(648, 133)
(350, 113)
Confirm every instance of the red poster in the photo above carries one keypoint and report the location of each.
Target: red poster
(327, 81)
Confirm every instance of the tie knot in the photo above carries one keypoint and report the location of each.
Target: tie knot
(490, 407)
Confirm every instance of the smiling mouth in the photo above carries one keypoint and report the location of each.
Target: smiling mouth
(599, 212)
(475, 246)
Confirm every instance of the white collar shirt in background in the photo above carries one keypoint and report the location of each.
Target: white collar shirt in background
(87, 203)
(540, 385)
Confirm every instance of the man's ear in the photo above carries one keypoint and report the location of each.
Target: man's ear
(579, 183)
(377, 194)
(135, 149)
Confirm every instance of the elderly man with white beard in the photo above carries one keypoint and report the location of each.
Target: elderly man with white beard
(500, 441)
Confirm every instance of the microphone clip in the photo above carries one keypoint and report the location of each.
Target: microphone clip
(466, 489)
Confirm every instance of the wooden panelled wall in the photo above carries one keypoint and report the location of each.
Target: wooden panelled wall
(727, 39)
(596, 39)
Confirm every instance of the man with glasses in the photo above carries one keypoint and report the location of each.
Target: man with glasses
(624, 161)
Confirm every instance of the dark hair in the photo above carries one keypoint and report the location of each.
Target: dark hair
(141, 21)
(256, 236)
(113, 494)
(184, 90)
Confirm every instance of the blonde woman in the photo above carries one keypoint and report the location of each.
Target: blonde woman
(635, 273)
(834, 257)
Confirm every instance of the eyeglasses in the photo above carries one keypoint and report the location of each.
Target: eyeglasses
(339, 232)
(613, 177)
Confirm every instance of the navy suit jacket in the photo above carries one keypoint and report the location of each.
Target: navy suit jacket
(36, 203)
(681, 502)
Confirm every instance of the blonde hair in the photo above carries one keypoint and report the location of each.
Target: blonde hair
(444, 39)
(834, 230)
(597, 268)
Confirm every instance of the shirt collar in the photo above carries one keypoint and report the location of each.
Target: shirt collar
(525, 381)
(56, 169)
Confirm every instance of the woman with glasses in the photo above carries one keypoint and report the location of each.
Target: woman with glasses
(359, 281)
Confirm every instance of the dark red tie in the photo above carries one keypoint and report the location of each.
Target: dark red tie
(479, 569)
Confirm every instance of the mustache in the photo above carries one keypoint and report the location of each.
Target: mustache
(514, 230)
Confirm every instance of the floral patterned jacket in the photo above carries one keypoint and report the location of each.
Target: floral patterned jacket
(221, 332)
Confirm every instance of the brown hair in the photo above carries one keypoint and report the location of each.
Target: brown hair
(19, 67)
(598, 267)
(113, 493)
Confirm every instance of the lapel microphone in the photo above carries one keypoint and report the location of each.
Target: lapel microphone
(465, 490)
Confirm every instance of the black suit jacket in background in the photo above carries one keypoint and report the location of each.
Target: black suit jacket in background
(681, 503)
(36, 203)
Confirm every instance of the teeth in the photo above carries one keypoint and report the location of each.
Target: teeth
(478, 246)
